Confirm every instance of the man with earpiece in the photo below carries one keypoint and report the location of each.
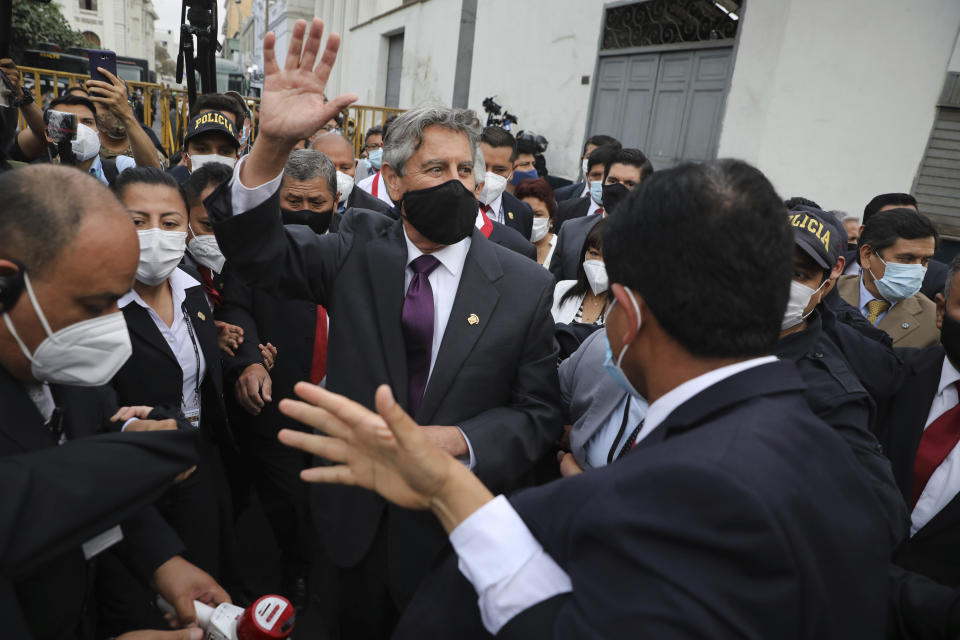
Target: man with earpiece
(66, 257)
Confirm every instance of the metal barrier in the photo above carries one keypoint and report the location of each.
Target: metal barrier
(171, 104)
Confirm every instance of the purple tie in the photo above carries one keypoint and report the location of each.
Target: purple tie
(417, 322)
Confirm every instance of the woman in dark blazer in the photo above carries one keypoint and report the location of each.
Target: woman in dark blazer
(176, 360)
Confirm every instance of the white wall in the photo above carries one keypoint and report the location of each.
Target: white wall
(835, 100)
(531, 55)
(955, 59)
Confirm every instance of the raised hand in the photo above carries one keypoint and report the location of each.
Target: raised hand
(292, 107)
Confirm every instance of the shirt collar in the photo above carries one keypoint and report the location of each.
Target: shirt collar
(96, 169)
(666, 404)
(948, 375)
(451, 256)
(593, 206)
(497, 205)
(866, 296)
(180, 281)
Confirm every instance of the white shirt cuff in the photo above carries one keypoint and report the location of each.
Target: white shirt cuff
(245, 198)
(470, 460)
(505, 564)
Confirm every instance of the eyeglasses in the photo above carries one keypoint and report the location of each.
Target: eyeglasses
(373, 145)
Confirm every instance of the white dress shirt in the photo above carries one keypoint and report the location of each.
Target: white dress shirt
(496, 210)
(944, 483)
(605, 440)
(594, 207)
(188, 353)
(367, 184)
(553, 245)
(444, 280)
(866, 297)
(499, 555)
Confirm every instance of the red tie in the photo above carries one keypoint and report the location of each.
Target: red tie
(937, 442)
(207, 276)
(318, 370)
(487, 227)
(599, 211)
(375, 187)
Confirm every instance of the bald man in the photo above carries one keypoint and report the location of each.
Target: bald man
(66, 257)
(340, 151)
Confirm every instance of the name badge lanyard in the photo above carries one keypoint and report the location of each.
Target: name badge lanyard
(196, 354)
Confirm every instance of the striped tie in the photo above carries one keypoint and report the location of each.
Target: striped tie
(875, 308)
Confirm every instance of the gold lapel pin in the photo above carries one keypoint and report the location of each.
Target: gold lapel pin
(510, 214)
(472, 319)
(201, 316)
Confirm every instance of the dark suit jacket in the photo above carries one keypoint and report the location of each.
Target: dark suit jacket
(569, 192)
(360, 199)
(921, 605)
(42, 553)
(570, 209)
(152, 376)
(511, 239)
(713, 526)
(496, 379)
(566, 255)
(518, 215)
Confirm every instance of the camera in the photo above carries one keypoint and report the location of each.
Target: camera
(494, 119)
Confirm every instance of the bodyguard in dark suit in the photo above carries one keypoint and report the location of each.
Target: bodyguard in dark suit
(920, 429)
(458, 326)
(713, 524)
(65, 259)
(499, 149)
(578, 205)
(580, 189)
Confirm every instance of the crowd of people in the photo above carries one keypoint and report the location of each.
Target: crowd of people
(480, 402)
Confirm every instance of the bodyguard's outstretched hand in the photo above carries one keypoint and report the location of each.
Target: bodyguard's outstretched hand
(386, 452)
(292, 106)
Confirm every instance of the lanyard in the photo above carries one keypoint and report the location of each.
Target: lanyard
(623, 427)
(196, 353)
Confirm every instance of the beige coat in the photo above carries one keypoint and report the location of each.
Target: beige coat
(911, 323)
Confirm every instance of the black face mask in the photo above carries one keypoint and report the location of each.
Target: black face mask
(444, 214)
(612, 195)
(950, 338)
(318, 221)
(852, 246)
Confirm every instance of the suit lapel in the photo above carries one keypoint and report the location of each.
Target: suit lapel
(386, 262)
(197, 311)
(476, 300)
(139, 322)
(949, 516)
(22, 423)
(902, 319)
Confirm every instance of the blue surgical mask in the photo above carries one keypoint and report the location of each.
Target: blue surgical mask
(596, 191)
(375, 158)
(614, 368)
(899, 281)
(520, 176)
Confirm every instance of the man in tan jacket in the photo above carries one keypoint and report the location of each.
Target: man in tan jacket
(895, 248)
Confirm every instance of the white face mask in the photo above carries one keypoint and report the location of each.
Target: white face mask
(596, 275)
(160, 253)
(344, 185)
(540, 227)
(206, 251)
(85, 354)
(583, 168)
(493, 187)
(87, 144)
(197, 161)
(800, 295)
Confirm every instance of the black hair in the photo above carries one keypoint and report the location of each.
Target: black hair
(219, 102)
(632, 157)
(799, 201)
(497, 137)
(709, 249)
(527, 146)
(600, 141)
(148, 175)
(210, 173)
(601, 155)
(594, 239)
(376, 130)
(73, 100)
(37, 222)
(885, 200)
(886, 227)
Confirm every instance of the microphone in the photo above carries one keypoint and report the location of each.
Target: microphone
(269, 618)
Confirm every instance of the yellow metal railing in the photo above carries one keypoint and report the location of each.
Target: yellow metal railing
(171, 103)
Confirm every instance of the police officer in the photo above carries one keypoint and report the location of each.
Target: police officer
(834, 392)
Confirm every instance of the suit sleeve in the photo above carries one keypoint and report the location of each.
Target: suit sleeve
(238, 309)
(90, 484)
(921, 608)
(292, 261)
(556, 262)
(508, 440)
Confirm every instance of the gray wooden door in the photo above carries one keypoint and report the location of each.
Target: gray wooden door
(394, 68)
(668, 105)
